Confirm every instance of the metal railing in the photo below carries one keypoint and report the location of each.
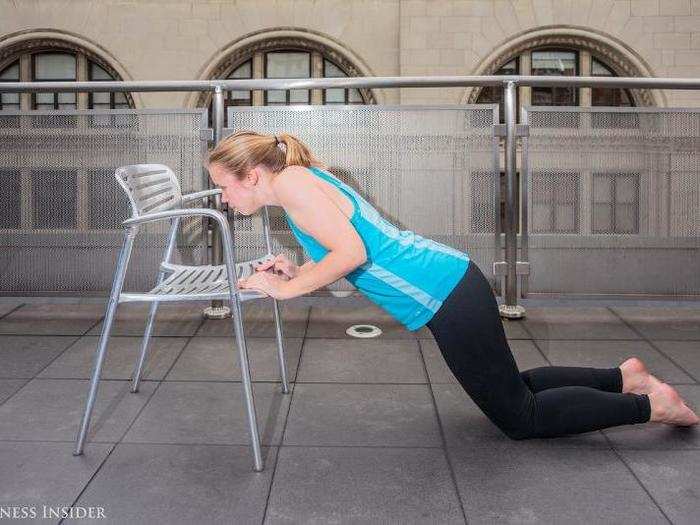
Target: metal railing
(510, 268)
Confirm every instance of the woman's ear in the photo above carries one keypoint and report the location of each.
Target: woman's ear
(251, 178)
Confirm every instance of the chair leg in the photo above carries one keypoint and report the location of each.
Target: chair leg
(280, 348)
(278, 318)
(104, 337)
(136, 376)
(235, 303)
(247, 387)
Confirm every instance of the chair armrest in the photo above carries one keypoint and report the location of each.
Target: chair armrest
(200, 194)
(181, 212)
(219, 218)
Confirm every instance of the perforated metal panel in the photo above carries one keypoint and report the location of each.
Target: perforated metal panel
(60, 221)
(613, 200)
(431, 170)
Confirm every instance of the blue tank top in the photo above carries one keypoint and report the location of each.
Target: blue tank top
(407, 275)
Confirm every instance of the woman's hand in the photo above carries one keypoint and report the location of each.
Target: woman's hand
(267, 283)
(280, 264)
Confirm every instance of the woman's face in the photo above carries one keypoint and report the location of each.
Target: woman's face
(238, 195)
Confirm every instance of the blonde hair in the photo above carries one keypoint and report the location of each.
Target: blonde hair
(243, 150)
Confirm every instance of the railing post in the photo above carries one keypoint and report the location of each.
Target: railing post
(510, 307)
(217, 309)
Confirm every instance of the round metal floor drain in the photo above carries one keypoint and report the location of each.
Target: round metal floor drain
(363, 330)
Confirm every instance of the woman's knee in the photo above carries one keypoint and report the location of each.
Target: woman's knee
(516, 428)
(526, 375)
(520, 423)
(519, 432)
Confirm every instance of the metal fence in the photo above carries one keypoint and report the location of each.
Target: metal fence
(407, 161)
(61, 213)
(608, 200)
(612, 200)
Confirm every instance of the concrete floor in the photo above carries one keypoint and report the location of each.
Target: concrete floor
(373, 430)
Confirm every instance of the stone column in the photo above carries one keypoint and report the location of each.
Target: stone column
(258, 98)
(81, 76)
(584, 64)
(316, 72)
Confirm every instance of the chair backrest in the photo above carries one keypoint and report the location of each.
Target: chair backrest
(150, 187)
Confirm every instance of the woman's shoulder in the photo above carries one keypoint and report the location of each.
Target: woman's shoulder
(293, 168)
(292, 173)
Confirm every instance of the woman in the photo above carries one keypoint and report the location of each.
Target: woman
(422, 282)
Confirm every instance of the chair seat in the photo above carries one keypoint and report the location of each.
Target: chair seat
(194, 283)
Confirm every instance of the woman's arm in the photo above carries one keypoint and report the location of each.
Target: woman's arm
(306, 267)
(332, 267)
(313, 211)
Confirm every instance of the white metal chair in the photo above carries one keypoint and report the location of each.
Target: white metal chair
(154, 193)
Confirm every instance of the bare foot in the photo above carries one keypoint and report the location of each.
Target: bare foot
(636, 377)
(668, 407)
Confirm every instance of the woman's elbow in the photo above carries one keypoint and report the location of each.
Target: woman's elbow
(360, 257)
(359, 263)
(352, 261)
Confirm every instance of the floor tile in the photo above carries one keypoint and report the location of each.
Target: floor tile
(374, 360)
(210, 413)
(216, 359)
(525, 482)
(9, 386)
(684, 353)
(525, 353)
(609, 354)
(515, 328)
(180, 484)
(181, 319)
(654, 435)
(363, 485)
(120, 359)
(39, 474)
(342, 414)
(423, 333)
(673, 479)
(52, 409)
(6, 308)
(333, 322)
(23, 356)
(355, 448)
(563, 322)
(663, 322)
(50, 319)
(464, 424)
(259, 321)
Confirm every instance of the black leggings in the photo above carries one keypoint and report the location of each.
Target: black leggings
(541, 402)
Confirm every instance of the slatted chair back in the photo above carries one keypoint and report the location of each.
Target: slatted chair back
(150, 187)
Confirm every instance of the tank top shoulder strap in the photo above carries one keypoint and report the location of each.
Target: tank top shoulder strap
(347, 190)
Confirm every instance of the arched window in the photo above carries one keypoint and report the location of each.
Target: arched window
(494, 94)
(284, 57)
(33, 191)
(57, 61)
(556, 196)
(9, 101)
(339, 95)
(608, 96)
(557, 61)
(109, 100)
(287, 58)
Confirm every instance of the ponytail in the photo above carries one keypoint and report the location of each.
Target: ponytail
(240, 152)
